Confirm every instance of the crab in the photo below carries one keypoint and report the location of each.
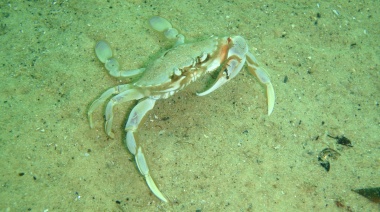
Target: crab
(172, 71)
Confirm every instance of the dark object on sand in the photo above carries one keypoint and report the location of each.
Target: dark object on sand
(372, 194)
(342, 140)
(325, 155)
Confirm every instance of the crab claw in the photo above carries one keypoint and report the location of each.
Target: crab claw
(232, 69)
(237, 56)
(237, 48)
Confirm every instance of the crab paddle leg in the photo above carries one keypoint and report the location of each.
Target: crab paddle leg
(162, 25)
(137, 114)
(104, 53)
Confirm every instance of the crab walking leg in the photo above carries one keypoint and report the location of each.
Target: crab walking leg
(137, 114)
(107, 94)
(128, 95)
(144, 170)
(261, 74)
(104, 53)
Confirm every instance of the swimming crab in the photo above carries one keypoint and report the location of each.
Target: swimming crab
(172, 71)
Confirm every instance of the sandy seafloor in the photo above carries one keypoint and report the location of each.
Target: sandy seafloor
(220, 152)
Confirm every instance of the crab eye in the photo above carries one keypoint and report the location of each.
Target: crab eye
(229, 40)
(177, 72)
(202, 58)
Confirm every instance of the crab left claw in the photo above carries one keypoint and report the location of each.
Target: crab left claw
(237, 56)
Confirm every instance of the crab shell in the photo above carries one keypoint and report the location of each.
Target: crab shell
(183, 64)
